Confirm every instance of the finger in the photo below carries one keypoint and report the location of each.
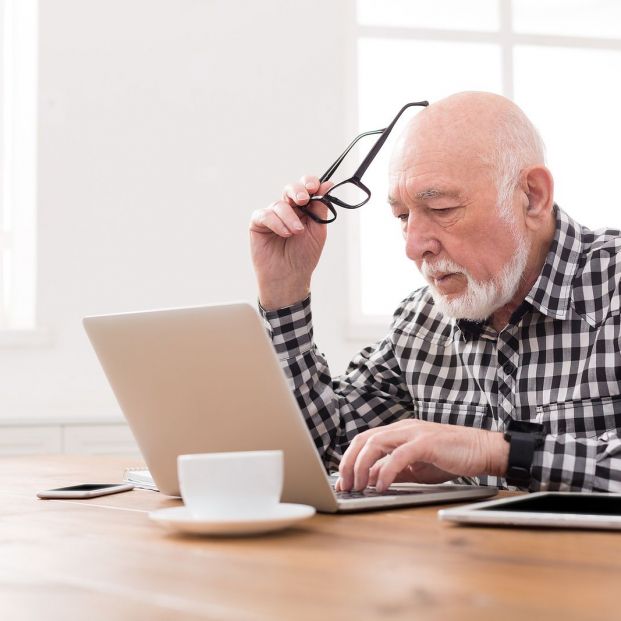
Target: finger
(323, 188)
(267, 220)
(311, 183)
(296, 194)
(403, 456)
(289, 216)
(314, 186)
(374, 450)
(381, 444)
(317, 208)
(346, 467)
(405, 476)
(374, 472)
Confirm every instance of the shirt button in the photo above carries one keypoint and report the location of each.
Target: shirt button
(505, 389)
(509, 369)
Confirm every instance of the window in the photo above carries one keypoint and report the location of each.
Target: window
(558, 59)
(18, 73)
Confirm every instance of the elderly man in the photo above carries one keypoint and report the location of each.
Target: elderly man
(507, 366)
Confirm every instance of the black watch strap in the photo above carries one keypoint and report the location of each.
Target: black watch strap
(524, 438)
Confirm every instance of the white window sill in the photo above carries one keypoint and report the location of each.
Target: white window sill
(25, 339)
(64, 421)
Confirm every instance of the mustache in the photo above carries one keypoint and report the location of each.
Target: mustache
(442, 266)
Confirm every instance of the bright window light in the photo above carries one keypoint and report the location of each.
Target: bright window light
(454, 14)
(562, 72)
(578, 116)
(18, 79)
(579, 18)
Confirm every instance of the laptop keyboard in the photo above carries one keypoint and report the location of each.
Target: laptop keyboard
(369, 492)
(372, 493)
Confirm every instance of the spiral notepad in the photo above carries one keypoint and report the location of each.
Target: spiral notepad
(140, 477)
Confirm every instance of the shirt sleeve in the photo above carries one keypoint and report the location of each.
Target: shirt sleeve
(568, 463)
(372, 391)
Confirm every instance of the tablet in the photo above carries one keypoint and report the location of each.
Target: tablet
(543, 509)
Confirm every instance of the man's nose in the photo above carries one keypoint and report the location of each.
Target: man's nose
(420, 240)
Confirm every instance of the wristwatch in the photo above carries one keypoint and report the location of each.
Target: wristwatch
(523, 438)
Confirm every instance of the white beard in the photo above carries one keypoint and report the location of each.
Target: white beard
(481, 299)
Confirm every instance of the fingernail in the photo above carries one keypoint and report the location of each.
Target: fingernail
(298, 226)
(309, 185)
(301, 196)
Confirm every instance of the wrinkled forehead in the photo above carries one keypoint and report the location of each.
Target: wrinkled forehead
(441, 161)
(443, 148)
(461, 135)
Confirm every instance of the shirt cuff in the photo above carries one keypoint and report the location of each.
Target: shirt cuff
(564, 463)
(290, 328)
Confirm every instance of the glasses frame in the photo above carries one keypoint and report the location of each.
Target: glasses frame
(329, 200)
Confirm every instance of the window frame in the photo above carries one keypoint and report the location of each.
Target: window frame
(361, 326)
(18, 213)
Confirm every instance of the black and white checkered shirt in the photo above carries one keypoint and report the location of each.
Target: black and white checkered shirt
(558, 362)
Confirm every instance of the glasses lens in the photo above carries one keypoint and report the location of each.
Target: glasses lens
(347, 194)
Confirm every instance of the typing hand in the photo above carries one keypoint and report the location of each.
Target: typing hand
(421, 452)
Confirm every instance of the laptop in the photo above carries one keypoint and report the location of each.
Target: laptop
(207, 379)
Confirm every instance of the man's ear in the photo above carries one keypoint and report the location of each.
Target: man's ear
(538, 186)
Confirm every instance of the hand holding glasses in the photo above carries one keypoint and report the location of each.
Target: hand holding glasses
(285, 251)
(331, 198)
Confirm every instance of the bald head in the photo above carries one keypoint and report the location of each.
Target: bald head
(487, 130)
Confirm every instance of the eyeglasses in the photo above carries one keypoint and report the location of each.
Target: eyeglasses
(354, 184)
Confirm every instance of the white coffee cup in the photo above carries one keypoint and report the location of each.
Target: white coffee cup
(231, 485)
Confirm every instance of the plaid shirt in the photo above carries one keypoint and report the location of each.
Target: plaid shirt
(557, 362)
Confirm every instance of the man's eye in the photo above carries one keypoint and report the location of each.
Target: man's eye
(403, 217)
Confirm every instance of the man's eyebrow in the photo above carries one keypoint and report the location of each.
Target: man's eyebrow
(427, 194)
(432, 193)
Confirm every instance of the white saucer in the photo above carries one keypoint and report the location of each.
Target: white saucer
(180, 520)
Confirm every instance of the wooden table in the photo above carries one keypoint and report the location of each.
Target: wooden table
(104, 559)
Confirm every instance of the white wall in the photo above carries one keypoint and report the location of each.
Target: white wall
(162, 125)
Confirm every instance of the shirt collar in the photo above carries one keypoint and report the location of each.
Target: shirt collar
(551, 293)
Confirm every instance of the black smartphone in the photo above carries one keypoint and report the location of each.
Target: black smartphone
(86, 490)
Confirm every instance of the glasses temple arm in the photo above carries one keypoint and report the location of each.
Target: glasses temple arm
(343, 155)
(382, 139)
